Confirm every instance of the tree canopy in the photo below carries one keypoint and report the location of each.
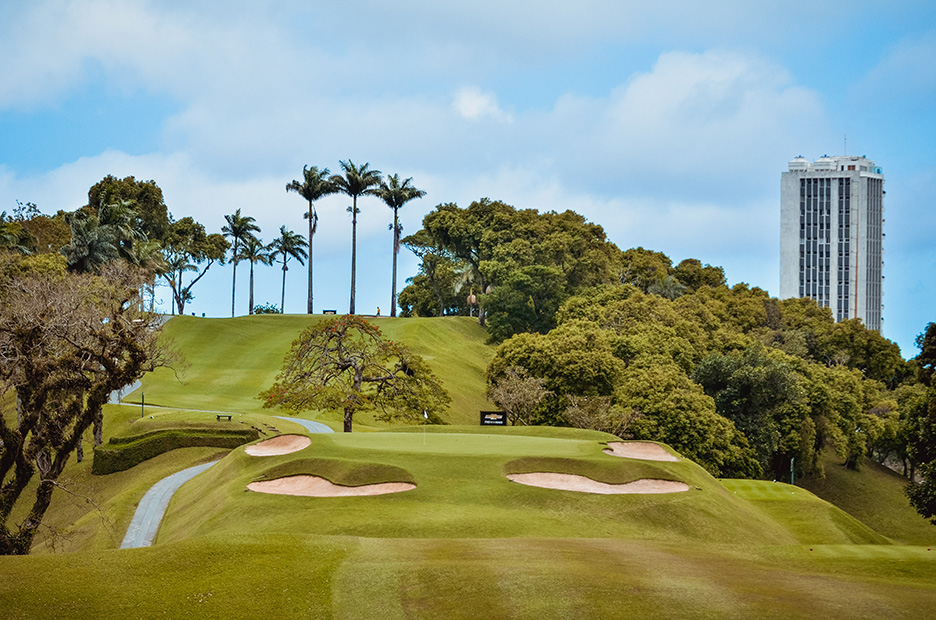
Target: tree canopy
(346, 364)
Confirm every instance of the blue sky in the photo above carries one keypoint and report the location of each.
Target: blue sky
(668, 124)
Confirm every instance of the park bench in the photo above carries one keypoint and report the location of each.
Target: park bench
(223, 415)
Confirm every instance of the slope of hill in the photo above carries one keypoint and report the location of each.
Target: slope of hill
(227, 362)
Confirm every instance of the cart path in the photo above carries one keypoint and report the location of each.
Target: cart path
(152, 507)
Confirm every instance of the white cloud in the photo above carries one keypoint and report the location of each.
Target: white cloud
(472, 103)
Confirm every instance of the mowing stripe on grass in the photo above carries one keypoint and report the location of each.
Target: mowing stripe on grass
(153, 506)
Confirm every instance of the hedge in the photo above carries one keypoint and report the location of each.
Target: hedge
(122, 453)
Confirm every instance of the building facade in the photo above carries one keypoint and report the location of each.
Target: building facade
(831, 235)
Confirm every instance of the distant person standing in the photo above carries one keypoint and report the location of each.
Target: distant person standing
(378, 310)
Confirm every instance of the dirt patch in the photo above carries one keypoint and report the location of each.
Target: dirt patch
(642, 450)
(572, 482)
(314, 486)
(281, 444)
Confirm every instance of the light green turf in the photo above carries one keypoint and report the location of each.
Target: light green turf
(462, 491)
(301, 576)
(229, 361)
(466, 543)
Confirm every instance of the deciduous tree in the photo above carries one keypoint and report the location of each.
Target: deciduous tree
(66, 342)
(346, 364)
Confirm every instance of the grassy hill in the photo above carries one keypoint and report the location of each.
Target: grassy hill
(466, 542)
(227, 362)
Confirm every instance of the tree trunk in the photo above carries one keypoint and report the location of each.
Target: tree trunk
(283, 291)
(250, 303)
(348, 415)
(353, 253)
(311, 234)
(234, 280)
(396, 248)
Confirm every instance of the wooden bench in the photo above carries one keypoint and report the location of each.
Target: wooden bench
(223, 415)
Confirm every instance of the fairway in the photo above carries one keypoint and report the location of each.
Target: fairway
(459, 539)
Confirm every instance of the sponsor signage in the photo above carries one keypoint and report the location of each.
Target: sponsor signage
(493, 418)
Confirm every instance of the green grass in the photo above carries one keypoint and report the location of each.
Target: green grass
(466, 543)
(875, 496)
(229, 361)
(342, 577)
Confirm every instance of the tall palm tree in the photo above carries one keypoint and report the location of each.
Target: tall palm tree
(395, 195)
(357, 181)
(239, 228)
(315, 184)
(286, 245)
(253, 251)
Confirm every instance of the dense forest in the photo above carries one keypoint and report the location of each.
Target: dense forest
(624, 341)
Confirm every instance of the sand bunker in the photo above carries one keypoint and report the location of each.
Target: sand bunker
(572, 482)
(313, 486)
(281, 444)
(642, 450)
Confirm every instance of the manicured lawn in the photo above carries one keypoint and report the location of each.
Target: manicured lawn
(227, 362)
(467, 542)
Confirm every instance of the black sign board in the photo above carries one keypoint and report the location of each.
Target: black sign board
(329, 312)
(493, 418)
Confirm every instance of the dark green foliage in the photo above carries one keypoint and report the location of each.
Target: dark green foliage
(144, 198)
(122, 453)
(520, 264)
(762, 396)
(268, 308)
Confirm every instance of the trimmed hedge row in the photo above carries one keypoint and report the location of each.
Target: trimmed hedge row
(122, 454)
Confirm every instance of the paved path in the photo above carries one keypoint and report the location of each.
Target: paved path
(149, 513)
(153, 506)
(312, 427)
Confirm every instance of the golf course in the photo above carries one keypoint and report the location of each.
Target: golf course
(450, 520)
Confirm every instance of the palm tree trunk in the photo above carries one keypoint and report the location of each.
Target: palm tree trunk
(250, 304)
(396, 248)
(311, 233)
(234, 280)
(283, 292)
(353, 250)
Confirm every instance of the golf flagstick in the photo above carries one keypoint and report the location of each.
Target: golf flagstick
(425, 415)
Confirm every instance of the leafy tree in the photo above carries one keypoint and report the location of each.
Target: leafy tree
(288, 245)
(694, 275)
(254, 251)
(526, 302)
(357, 181)
(240, 228)
(642, 268)
(851, 344)
(143, 198)
(669, 287)
(91, 245)
(517, 394)
(395, 194)
(922, 442)
(186, 248)
(758, 394)
(601, 414)
(676, 411)
(346, 364)
(69, 340)
(315, 184)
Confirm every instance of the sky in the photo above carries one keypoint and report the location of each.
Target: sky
(667, 123)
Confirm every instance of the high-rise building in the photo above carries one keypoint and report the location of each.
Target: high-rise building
(831, 220)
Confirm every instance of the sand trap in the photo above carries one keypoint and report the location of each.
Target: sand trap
(313, 486)
(572, 482)
(281, 444)
(642, 450)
